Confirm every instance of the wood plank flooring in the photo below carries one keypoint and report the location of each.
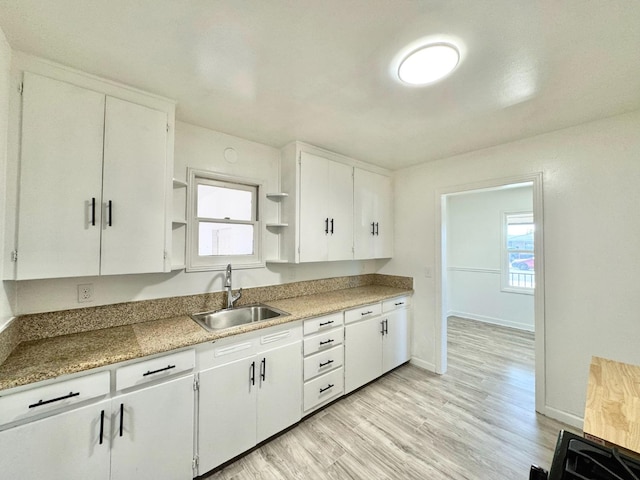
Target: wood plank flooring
(476, 422)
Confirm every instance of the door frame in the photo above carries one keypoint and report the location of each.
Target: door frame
(441, 274)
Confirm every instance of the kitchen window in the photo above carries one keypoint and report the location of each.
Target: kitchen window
(518, 272)
(223, 222)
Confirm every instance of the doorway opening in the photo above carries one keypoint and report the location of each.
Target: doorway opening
(490, 267)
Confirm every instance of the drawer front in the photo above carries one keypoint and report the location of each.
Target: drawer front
(362, 313)
(326, 322)
(322, 362)
(395, 303)
(277, 337)
(51, 397)
(323, 388)
(323, 341)
(155, 368)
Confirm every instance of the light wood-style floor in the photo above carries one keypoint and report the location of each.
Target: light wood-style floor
(476, 422)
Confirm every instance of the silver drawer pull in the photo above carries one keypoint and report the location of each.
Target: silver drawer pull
(322, 324)
(331, 385)
(327, 341)
(399, 303)
(149, 372)
(328, 362)
(46, 402)
(366, 313)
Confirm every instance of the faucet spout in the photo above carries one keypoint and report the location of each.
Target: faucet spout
(232, 298)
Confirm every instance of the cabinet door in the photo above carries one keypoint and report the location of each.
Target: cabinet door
(135, 189)
(280, 394)
(340, 197)
(156, 438)
(364, 193)
(60, 180)
(362, 353)
(227, 412)
(314, 208)
(383, 208)
(62, 447)
(373, 219)
(395, 342)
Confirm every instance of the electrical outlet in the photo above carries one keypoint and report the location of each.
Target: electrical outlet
(85, 292)
(428, 272)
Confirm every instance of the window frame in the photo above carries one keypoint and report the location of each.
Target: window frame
(196, 262)
(505, 251)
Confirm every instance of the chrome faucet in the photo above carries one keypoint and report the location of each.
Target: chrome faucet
(232, 298)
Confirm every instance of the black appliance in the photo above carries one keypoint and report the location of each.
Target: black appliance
(577, 458)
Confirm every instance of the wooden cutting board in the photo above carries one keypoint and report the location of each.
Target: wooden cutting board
(612, 412)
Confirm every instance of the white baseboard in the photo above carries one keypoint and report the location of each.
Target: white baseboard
(418, 362)
(564, 417)
(495, 321)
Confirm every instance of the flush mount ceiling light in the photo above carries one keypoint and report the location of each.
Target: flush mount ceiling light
(429, 64)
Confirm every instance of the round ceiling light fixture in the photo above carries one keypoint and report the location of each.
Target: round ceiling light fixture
(429, 63)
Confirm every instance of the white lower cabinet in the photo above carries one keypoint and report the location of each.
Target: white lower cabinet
(145, 432)
(395, 341)
(251, 391)
(153, 432)
(323, 360)
(73, 445)
(376, 341)
(363, 353)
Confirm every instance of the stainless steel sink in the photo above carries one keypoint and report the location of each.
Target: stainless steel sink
(233, 317)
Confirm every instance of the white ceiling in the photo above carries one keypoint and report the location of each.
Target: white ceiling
(319, 71)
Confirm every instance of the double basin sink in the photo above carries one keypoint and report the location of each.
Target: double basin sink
(215, 321)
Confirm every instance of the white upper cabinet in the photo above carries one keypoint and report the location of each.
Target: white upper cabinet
(94, 183)
(134, 187)
(336, 208)
(373, 217)
(60, 180)
(326, 206)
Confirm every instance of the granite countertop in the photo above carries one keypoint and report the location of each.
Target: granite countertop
(48, 358)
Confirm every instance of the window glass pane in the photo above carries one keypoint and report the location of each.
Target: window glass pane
(520, 231)
(224, 239)
(220, 202)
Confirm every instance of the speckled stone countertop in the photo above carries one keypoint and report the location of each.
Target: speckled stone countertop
(48, 358)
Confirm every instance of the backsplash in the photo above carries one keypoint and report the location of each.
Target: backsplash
(64, 322)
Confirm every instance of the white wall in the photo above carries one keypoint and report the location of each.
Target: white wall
(200, 148)
(7, 291)
(474, 223)
(591, 176)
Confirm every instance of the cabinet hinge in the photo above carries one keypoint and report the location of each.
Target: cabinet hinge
(165, 254)
(196, 384)
(195, 463)
(14, 256)
(167, 127)
(21, 88)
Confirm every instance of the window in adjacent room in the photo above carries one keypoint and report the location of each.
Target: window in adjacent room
(518, 273)
(223, 222)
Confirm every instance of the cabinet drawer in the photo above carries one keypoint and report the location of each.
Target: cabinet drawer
(323, 388)
(323, 341)
(322, 362)
(395, 303)
(276, 337)
(361, 313)
(323, 323)
(150, 370)
(50, 397)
